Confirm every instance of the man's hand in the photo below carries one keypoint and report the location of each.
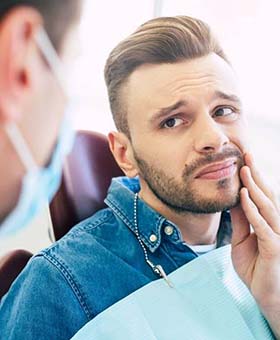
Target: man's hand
(256, 242)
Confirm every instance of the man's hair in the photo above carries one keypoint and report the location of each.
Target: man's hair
(58, 15)
(160, 40)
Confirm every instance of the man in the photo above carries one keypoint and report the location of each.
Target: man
(181, 143)
(34, 132)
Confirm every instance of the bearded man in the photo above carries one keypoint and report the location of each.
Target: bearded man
(190, 181)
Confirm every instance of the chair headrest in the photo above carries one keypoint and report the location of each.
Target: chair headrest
(86, 177)
(11, 265)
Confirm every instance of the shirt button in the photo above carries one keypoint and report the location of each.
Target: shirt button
(153, 238)
(168, 230)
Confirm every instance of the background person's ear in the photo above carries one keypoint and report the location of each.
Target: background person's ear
(17, 60)
(122, 150)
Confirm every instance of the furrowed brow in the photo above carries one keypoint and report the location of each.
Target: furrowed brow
(165, 111)
(226, 96)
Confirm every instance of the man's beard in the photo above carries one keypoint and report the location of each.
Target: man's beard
(181, 197)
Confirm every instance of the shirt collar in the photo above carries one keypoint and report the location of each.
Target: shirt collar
(120, 199)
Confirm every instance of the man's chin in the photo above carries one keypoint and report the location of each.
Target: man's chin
(203, 205)
(223, 192)
(219, 204)
(211, 208)
(216, 199)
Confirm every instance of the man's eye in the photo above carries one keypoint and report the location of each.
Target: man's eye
(172, 122)
(224, 112)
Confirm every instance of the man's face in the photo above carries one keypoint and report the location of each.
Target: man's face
(186, 126)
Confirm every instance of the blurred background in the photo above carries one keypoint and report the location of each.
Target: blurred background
(248, 31)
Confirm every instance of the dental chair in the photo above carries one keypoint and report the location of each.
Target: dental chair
(11, 264)
(86, 177)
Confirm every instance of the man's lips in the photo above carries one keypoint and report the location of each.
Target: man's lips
(218, 170)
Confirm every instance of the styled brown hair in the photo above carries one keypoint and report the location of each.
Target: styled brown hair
(160, 40)
(58, 15)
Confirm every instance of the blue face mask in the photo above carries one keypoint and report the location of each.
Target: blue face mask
(39, 185)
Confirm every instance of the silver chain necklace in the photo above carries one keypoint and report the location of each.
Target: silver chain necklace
(157, 269)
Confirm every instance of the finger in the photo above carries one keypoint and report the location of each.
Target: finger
(259, 180)
(260, 226)
(264, 204)
(240, 226)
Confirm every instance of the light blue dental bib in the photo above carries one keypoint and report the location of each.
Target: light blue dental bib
(208, 302)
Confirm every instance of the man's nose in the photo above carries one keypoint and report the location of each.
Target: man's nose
(210, 136)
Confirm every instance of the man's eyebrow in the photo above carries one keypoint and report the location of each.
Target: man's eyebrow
(165, 111)
(226, 96)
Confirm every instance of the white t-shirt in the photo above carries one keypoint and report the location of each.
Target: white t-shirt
(201, 249)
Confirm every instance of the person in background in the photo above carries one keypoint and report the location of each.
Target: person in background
(35, 127)
(191, 186)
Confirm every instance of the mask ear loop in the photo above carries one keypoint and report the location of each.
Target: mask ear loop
(51, 56)
(49, 53)
(19, 142)
(28, 161)
(21, 147)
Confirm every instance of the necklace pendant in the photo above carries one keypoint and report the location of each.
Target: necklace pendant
(157, 269)
(160, 271)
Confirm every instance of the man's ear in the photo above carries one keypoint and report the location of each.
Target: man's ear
(17, 31)
(121, 149)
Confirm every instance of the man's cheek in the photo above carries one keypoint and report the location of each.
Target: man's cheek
(239, 136)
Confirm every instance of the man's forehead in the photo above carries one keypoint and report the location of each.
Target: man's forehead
(150, 83)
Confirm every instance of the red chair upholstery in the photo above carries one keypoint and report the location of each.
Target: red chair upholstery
(11, 265)
(87, 175)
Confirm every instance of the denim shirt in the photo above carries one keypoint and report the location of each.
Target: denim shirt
(99, 262)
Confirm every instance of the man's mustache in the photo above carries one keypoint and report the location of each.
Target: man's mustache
(213, 158)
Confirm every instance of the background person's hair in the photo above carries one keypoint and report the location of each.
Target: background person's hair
(58, 15)
(160, 40)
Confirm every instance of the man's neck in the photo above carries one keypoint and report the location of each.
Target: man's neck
(196, 229)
